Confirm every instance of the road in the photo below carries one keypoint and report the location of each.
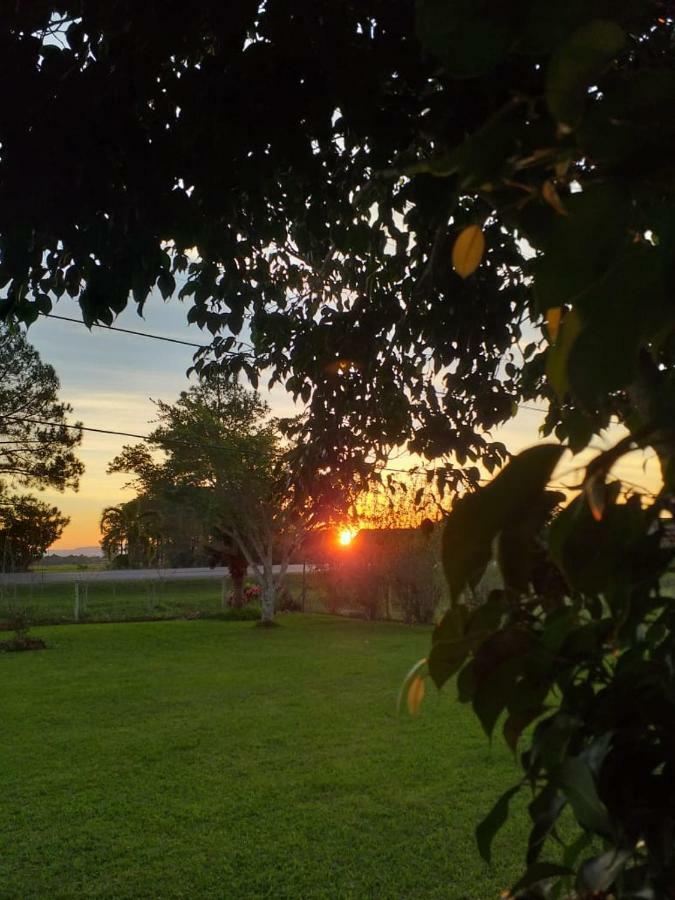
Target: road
(91, 576)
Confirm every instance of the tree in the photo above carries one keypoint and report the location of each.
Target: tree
(27, 528)
(223, 551)
(373, 145)
(36, 444)
(131, 534)
(222, 456)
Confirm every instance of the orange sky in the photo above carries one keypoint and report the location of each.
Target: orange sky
(109, 379)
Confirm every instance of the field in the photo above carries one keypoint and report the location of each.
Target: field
(216, 759)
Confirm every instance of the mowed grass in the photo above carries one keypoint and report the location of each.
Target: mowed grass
(218, 759)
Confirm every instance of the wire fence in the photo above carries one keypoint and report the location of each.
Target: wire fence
(87, 598)
(48, 602)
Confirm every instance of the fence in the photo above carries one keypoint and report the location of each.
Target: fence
(88, 597)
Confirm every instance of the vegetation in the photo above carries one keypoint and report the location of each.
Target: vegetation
(27, 528)
(383, 569)
(290, 774)
(37, 449)
(71, 562)
(224, 468)
(426, 213)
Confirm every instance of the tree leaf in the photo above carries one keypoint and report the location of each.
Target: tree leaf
(478, 518)
(576, 65)
(462, 34)
(468, 250)
(540, 871)
(418, 670)
(550, 194)
(496, 691)
(494, 820)
(598, 874)
(516, 722)
(594, 488)
(415, 695)
(447, 657)
(558, 355)
(544, 811)
(578, 785)
(553, 317)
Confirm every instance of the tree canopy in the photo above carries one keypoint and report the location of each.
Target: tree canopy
(37, 448)
(224, 469)
(28, 527)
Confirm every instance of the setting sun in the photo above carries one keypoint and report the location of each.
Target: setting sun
(346, 537)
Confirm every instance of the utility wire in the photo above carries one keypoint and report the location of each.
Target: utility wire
(146, 334)
(222, 448)
(140, 437)
(160, 337)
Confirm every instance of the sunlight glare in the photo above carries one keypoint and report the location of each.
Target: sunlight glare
(346, 537)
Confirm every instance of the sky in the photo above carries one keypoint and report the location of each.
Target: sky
(110, 380)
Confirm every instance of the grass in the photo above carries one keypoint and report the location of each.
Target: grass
(204, 759)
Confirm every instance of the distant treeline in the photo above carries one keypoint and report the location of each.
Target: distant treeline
(71, 560)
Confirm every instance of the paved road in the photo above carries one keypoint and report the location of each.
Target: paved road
(119, 575)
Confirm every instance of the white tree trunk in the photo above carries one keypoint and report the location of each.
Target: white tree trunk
(269, 593)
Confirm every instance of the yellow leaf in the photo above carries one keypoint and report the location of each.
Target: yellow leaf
(415, 695)
(558, 354)
(419, 670)
(468, 250)
(551, 196)
(553, 316)
(594, 488)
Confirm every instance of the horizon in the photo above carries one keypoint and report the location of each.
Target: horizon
(111, 378)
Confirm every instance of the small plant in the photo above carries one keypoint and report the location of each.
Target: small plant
(252, 593)
(19, 622)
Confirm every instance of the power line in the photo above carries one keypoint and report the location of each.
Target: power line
(145, 334)
(140, 437)
(161, 337)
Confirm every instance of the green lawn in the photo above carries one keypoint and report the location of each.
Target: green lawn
(215, 759)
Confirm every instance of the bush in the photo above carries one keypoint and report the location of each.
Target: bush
(287, 603)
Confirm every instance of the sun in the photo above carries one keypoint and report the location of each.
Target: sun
(346, 536)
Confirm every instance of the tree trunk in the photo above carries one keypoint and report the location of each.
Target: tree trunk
(268, 597)
(237, 588)
(238, 567)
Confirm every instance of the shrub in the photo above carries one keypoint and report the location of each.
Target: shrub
(287, 603)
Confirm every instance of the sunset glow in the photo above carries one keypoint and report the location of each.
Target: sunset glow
(346, 536)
